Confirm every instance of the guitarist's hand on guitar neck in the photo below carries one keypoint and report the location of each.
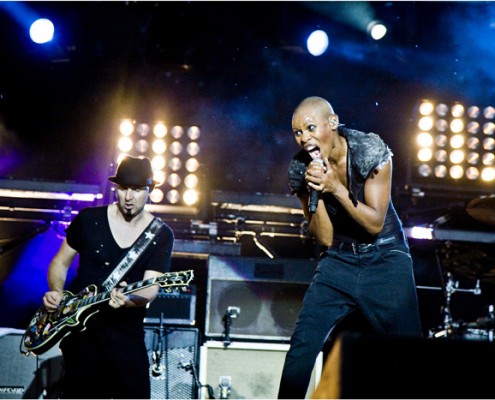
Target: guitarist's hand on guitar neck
(118, 299)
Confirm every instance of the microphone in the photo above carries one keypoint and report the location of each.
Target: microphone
(313, 194)
(313, 201)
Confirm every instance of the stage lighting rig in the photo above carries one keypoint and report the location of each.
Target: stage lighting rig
(174, 151)
(453, 148)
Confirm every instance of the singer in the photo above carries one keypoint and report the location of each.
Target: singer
(342, 178)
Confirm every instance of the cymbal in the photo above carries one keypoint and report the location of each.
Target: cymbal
(482, 209)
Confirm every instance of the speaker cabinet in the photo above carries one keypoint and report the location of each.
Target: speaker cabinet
(173, 355)
(371, 367)
(246, 370)
(27, 376)
(267, 292)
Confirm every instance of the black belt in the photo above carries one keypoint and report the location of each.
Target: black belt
(358, 248)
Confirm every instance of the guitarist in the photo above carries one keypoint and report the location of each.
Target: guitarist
(108, 359)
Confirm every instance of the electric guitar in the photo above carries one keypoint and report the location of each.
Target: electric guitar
(47, 328)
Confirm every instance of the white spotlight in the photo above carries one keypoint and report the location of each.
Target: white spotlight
(377, 30)
(41, 31)
(317, 43)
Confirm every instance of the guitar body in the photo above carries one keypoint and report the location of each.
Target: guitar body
(48, 328)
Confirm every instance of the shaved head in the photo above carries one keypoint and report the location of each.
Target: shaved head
(317, 103)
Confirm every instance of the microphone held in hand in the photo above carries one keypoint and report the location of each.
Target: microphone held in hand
(313, 194)
(313, 201)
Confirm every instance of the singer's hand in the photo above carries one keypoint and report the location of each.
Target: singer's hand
(321, 176)
(296, 170)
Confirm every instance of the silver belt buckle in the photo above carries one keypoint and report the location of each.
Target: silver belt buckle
(358, 248)
(355, 247)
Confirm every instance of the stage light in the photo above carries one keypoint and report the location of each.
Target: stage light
(317, 43)
(377, 30)
(41, 31)
(126, 127)
(454, 146)
(174, 152)
(421, 232)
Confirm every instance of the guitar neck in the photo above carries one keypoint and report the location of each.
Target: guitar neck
(105, 296)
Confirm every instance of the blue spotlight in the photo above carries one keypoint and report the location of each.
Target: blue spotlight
(41, 31)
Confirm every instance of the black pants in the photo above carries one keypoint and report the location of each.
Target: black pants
(379, 283)
(102, 363)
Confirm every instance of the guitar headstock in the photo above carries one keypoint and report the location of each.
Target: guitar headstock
(175, 280)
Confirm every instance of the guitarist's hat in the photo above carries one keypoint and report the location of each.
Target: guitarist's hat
(134, 171)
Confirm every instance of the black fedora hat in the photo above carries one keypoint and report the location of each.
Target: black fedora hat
(134, 171)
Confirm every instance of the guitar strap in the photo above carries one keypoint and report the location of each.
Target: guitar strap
(133, 254)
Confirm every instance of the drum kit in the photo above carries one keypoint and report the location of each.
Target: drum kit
(459, 261)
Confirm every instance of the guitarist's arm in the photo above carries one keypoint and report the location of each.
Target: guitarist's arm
(139, 298)
(57, 275)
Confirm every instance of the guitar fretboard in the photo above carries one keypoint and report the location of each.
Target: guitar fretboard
(89, 298)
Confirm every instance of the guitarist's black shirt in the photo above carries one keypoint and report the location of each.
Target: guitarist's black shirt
(109, 358)
(90, 234)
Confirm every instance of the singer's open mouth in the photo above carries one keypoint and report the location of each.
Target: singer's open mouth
(314, 152)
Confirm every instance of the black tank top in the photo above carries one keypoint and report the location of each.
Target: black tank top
(345, 228)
